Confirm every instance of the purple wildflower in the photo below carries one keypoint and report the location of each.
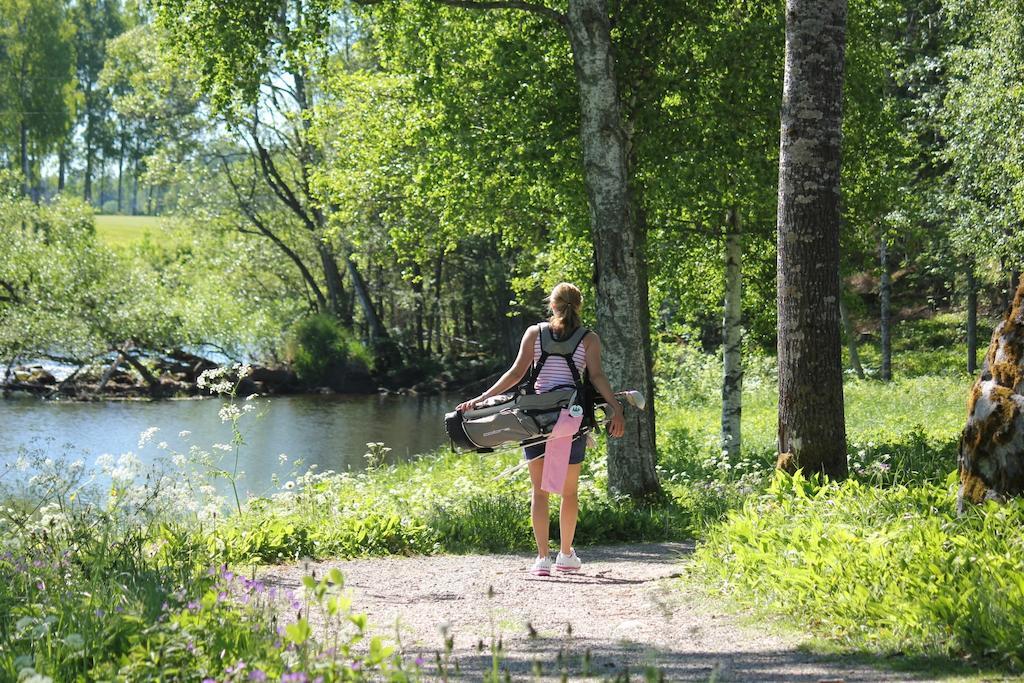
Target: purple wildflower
(257, 675)
(193, 606)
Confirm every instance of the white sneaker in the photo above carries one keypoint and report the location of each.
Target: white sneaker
(568, 563)
(541, 566)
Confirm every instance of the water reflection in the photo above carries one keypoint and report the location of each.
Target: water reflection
(329, 431)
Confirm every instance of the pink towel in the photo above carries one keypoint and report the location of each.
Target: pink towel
(556, 452)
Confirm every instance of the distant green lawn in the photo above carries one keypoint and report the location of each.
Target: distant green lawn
(125, 231)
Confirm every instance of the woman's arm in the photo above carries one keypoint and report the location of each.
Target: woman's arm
(513, 375)
(592, 346)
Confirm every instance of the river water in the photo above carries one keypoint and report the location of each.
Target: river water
(330, 431)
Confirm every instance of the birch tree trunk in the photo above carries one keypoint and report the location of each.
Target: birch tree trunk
(732, 334)
(885, 297)
(812, 428)
(620, 273)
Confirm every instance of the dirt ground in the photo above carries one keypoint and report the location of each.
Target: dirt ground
(624, 612)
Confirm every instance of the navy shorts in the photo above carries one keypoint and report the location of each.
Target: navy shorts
(576, 453)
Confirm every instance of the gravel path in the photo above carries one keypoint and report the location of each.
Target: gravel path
(625, 607)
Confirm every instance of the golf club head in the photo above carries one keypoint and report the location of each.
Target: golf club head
(635, 399)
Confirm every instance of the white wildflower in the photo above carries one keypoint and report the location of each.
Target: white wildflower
(147, 436)
(224, 387)
(229, 412)
(282, 458)
(162, 445)
(184, 434)
(289, 485)
(222, 446)
(105, 462)
(21, 464)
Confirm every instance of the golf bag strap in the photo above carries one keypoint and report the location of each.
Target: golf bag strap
(565, 349)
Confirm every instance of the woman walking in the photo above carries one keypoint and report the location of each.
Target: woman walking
(564, 329)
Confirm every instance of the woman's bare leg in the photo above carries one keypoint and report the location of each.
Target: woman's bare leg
(539, 511)
(569, 510)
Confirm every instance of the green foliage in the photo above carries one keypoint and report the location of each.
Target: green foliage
(442, 502)
(323, 351)
(891, 569)
(37, 68)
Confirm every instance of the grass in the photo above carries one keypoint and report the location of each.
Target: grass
(126, 231)
(890, 570)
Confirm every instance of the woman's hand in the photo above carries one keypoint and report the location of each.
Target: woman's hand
(470, 404)
(617, 426)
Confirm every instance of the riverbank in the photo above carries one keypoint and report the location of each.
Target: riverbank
(177, 375)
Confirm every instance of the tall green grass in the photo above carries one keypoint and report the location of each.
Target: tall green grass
(889, 569)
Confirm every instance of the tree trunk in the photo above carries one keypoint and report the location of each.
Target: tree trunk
(972, 319)
(620, 271)
(120, 177)
(374, 325)
(110, 371)
(89, 150)
(62, 165)
(992, 442)
(851, 338)
(812, 427)
(135, 189)
(435, 323)
(417, 290)
(885, 297)
(87, 181)
(732, 335)
(332, 280)
(24, 158)
(152, 382)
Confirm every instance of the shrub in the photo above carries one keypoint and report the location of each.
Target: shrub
(324, 353)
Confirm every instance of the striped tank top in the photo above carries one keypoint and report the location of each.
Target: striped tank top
(555, 372)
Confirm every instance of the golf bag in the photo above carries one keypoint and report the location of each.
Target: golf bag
(525, 416)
